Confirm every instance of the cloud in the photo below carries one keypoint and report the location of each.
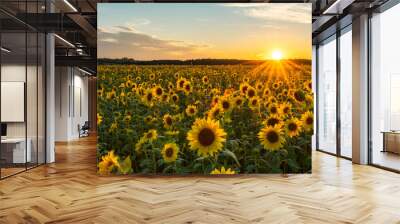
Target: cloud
(284, 12)
(128, 42)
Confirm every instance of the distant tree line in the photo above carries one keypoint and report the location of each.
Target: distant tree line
(206, 61)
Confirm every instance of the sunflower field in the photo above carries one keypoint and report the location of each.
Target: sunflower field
(204, 119)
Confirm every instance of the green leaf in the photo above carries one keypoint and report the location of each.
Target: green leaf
(126, 166)
(232, 155)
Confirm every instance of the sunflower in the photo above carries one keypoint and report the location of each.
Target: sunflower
(285, 108)
(243, 88)
(267, 92)
(272, 120)
(99, 119)
(167, 121)
(158, 91)
(308, 85)
(251, 92)
(259, 87)
(187, 88)
(170, 152)
(191, 110)
(238, 101)
(151, 135)
(271, 137)
(275, 85)
(149, 119)
(175, 98)
(180, 83)
(152, 76)
(215, 100)
(148, 97)
(225, 104)
(128, 117)
(254, 103)
(205, 80)
(165, 98)
(108, 163)
(293, 127)
(299, 96)
(215, 112)
(308, 120)
(273, 108)
(223, 171)
(206, 137)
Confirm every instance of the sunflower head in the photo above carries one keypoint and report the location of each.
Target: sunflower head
(191, 110)
(308, 120)
(148, 97)
(165, 98)
(99, 119)
(299, 96)
(158, 91)
(215, 100)
(170, 152)
(187, 88)
(180, 83)
(267, 92)
(206, 136)
(273, 108)
(285, 108)
(271, 137)
(254, 103)
(215, 112)
(293, 127)
(108, 163)
(225, 104)
(205, 80)
(272, 120)
(167, 121)
(238, 101)
(175, 98)
(251, 92)
(151, 135)
(223, 171)
(243, 88)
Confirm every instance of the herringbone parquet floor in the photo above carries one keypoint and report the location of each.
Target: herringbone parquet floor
(69, 191)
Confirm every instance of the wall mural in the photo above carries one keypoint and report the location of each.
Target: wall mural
(204, 88)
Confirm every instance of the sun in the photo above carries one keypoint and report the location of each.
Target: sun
(277, 55)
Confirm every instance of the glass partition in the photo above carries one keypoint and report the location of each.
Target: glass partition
(385, 89)
(13, 94)
(327, 95)
(346, 93)
(22, 91)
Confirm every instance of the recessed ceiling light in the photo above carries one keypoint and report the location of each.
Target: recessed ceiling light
(70, 5)
(64, 40)
(5, 50)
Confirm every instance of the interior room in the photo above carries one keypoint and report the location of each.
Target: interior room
(49, 158)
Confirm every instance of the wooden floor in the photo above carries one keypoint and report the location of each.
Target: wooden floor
(69, 191)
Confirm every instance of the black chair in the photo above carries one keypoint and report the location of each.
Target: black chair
(84, 130)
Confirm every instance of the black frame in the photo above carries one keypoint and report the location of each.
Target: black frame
(387, 5)
(340, 31)
(29, 29)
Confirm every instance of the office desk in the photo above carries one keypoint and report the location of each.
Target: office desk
(13, 150)
(391, 141)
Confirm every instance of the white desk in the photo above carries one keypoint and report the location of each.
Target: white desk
(18, 149)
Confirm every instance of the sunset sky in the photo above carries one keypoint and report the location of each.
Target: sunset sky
(151, 31)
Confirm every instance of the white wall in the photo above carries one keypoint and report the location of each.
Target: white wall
(71, 87)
